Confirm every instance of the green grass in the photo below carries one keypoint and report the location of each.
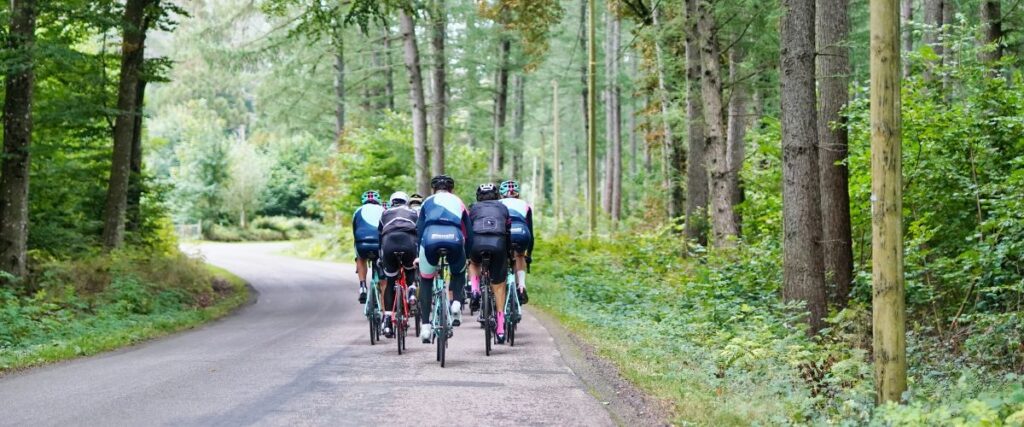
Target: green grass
(81, 322)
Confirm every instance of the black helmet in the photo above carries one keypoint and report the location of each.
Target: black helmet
(415, 199)
(487, 191)
(442, 182)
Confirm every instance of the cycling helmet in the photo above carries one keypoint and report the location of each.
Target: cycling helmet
(415, 199)
(371, 196)
(442, 182)
(399, 198)
(487, 191)
(510, 188)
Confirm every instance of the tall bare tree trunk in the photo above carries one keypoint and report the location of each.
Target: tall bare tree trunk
(723, 218)
(500, 107)
(991, 30)
(338, 43)
(696, 172)
(556, 195)
(634, 167)
(134, 217)
(584, 94)
(907, 14)
(933, 28)
(17, 120)
(736, 129)
(518, 123)
(389, 72)
(440, 88)
(671, 172)
(591, 118)
(888, 305)
(131, 64)
(833, 28)
(416, 99)
(616, 115)
(803, 270)
(606, 95)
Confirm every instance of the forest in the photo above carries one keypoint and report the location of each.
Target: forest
(792, 212)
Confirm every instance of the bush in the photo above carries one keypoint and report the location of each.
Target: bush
(265, 229)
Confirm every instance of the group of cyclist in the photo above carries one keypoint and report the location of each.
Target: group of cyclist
(411, 233)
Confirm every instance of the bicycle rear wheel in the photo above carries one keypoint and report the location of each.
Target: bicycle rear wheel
(442, 338)
(372, 317)
(399, 319)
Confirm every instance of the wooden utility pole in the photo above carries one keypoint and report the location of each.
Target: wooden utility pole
(888, 306)
(591, 129)
(556, 195)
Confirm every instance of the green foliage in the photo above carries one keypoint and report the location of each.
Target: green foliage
(265, 229)
(100, 302)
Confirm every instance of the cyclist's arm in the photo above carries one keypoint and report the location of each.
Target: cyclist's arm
(355, 221)
(420, 223)
(529, 226)
(467, 227)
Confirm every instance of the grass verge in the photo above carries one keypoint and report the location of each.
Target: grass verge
(70, 309)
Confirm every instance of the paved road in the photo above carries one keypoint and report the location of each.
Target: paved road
(301, 356)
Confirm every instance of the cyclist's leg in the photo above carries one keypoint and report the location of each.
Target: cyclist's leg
(427, 272)
(457, 284)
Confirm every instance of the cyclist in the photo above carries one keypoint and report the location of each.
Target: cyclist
(491, 224)
(521, 232)
(443, 224)
(364, 229)
(397, 229)
(415, 201)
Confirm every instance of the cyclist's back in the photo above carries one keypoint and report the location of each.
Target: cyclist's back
(443, 225)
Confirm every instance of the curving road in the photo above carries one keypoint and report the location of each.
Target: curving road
(301, 356)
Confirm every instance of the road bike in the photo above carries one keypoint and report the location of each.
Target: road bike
(513, 309)
(441, 319)
(401, 309)
(372, 309)
(487, 304)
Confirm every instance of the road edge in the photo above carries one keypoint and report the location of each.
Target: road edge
(627, 404)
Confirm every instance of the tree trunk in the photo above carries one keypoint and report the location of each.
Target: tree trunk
(888, 312)
(389, 73)
(933, 26)
(518, 123)
(906, 13)
(634, 167)
(134, 220)
(591, 118)
(556, 195)
(833, 27)
(616, 115)
(500, 107)
(671, 174)
(737, 130)
(723, 219)
(991, 30)
(338, 43)
(17, 120)
(696, 173)
(416, 100)
(131, 63)
(606, 96)
(440, 88)
(803, 271)
(584, 94)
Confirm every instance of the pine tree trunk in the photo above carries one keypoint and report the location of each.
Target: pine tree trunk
(696, 172)
(17, 120)
(591, 118)
(723, 219)
(736, 130)
(584, 95)
(671, 172)
(134, 220)
(131, 64)
(888, 312)
(416, 100)
(933, 27)
(389, 73)
(440, 89)
(518, 123)
(606, 95)
(991, 30)
(803, 271)
(634, 167)
(616, 107)
(338, 43)
(907, 15)
(833, 27)
(556, 195)
(500, 107)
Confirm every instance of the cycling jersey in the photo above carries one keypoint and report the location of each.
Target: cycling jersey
(443, 225)
(521, 215)
(365, 223)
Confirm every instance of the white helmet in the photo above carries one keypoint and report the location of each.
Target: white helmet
(399, 195)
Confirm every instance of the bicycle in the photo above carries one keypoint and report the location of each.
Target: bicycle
(372, 309)
(401, 310)
(487, 303)
(441, 319)
(513, 309)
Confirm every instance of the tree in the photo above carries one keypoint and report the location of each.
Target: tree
(833, 71)
(248, 175)
(416, 100)
(888, 312)
(723, 219)
(991, 30)
(613, 124)
(338, 43)
(134, 37)
(802, 267)
(696, 172)
(440, 87)
(17, 120)
(500, 106)
(518, 122)
(736, 128)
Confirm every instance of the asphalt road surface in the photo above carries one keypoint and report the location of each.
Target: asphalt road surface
(301, 356)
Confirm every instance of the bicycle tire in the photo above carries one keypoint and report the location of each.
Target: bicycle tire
(510, 332)
(442, 339)
(399, 320)
(372, 318)
(488, 310)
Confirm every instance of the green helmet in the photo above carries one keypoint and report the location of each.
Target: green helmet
(371, 196)
(510, 188)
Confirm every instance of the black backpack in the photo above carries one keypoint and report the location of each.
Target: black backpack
(489, 217)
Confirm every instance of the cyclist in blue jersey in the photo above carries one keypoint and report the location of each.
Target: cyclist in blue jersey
(521, 232)
(443, 224)
(367, 239)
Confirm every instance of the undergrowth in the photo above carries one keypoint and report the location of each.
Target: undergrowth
(710, 335)
(101, 302)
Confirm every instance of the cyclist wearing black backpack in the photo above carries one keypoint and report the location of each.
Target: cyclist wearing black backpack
(491, 224)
